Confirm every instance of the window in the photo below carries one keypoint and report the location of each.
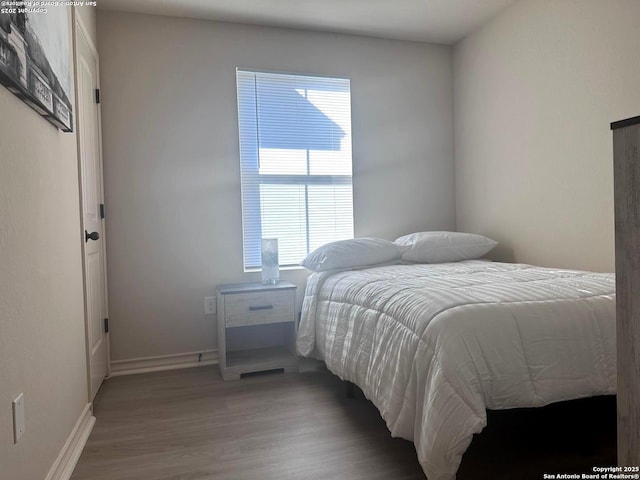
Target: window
(295, 158)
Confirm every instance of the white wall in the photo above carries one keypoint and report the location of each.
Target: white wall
(535, 91)
(42, 348)
(172, 166)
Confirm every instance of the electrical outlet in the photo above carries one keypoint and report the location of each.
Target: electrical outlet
(18, 417)
(209, 305)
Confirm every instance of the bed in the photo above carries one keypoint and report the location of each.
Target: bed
(434, 346)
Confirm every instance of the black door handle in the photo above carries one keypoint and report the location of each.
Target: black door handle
(91, 236)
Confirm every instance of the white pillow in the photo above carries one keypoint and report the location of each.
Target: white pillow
(442, 247)
(357, 252)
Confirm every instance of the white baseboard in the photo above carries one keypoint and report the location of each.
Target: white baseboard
(164, 362)
(63, 467)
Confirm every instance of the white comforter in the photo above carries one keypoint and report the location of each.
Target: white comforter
(434, 346)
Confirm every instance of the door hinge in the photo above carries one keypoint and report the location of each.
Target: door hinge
(97, 95)
(102, 210)
(106, 325)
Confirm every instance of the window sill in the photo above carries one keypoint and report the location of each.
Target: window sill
(282, 269)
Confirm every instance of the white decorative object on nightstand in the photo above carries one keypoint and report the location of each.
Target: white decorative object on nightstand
(256, 328)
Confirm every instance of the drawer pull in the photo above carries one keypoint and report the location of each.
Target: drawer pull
(262, 307)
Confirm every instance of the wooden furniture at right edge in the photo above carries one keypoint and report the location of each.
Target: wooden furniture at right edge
(626, 166)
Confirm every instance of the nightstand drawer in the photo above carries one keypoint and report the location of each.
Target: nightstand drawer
(242, 309)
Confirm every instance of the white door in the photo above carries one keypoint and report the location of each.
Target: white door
(90, 164)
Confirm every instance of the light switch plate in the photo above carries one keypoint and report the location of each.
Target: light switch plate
(18, 417)
(209, 305)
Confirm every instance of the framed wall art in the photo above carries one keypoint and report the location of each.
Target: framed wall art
(35, 60)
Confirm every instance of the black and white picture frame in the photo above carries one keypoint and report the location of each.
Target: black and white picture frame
(35, 61)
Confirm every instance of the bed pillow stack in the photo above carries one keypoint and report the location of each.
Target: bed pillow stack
(420, 247)
(443, 247)
(356, 252)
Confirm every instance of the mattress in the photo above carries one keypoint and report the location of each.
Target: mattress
(435, 346)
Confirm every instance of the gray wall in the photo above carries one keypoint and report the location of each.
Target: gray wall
(535, 91)
(42, 348)
(172, 178)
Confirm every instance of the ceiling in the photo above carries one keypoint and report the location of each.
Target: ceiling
(436, 21)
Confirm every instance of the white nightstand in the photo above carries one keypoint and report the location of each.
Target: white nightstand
(256, 328)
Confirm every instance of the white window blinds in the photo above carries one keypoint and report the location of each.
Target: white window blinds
(295, 158)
